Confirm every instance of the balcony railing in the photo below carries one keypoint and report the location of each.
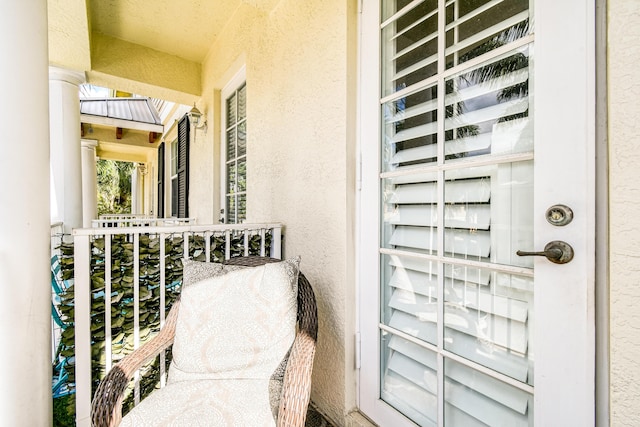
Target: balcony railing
(138, 221)
(116, 267)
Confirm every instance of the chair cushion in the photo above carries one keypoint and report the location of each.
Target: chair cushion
(239, 325)
(205, 403)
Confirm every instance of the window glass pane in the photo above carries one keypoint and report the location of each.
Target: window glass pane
(242, 207)
(174, 196)
(242, 138)
(409, 379)
(410, 47)
(231, 209)
(242, 176)
(231, 178)
(231, 110)
(242, 102)
(475, 27)
(475, 399)
(231, 144)
(410, 130)
(174, 158)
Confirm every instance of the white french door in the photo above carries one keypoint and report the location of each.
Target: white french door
(477, 141)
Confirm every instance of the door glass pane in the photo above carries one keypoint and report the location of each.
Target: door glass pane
(488, 212)
(410, 44)
(487, 108)
(456, 203)
(410, 213)
(475, 399)
(409, 379)
(410, 129)
(475, 27)
(410, 295)
(488, 317)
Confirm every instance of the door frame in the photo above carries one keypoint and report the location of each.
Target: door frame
(579, 45)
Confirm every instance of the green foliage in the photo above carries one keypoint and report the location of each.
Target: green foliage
(114, 186)
(64, 411)
(122, 298)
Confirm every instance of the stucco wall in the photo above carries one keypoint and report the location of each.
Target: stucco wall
(300, 157)
(624, 178)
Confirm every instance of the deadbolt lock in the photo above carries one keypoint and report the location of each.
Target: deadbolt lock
(559, 215)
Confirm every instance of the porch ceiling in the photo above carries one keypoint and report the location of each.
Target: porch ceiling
(181, 28)
(150, 48)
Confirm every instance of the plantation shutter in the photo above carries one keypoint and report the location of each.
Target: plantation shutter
(183, 167)
(160, 212)
(428, 131)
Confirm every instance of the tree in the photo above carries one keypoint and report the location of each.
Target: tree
(114, 186)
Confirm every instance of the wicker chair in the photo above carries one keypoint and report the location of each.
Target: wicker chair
(106, 408)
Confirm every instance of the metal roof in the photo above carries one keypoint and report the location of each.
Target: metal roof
(130, 113)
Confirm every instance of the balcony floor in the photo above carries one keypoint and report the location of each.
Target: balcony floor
(315, 419)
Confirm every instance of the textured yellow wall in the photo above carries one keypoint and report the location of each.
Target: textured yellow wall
(137, 69)
(624, 188)
(69, 44)
(300, 156)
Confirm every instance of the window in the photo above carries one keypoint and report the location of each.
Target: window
(161, 180)
(236, 155)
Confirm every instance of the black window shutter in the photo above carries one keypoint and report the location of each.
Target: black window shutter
(183, 167)
(160, 213)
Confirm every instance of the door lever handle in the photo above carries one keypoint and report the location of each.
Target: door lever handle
(556, 251)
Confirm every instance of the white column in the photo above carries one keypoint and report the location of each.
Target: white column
(66, 163)
(25, 302)
(143, 193)
(89, 182)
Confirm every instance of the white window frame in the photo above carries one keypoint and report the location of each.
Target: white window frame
(239, 78)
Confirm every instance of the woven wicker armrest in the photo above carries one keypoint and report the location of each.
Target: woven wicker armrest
(106, 407)
(296, 387)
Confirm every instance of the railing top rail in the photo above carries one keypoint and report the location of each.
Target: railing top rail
(105, 216)
(169, 229)
(141, 221)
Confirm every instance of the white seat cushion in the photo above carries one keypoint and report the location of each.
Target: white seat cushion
(221, 403)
